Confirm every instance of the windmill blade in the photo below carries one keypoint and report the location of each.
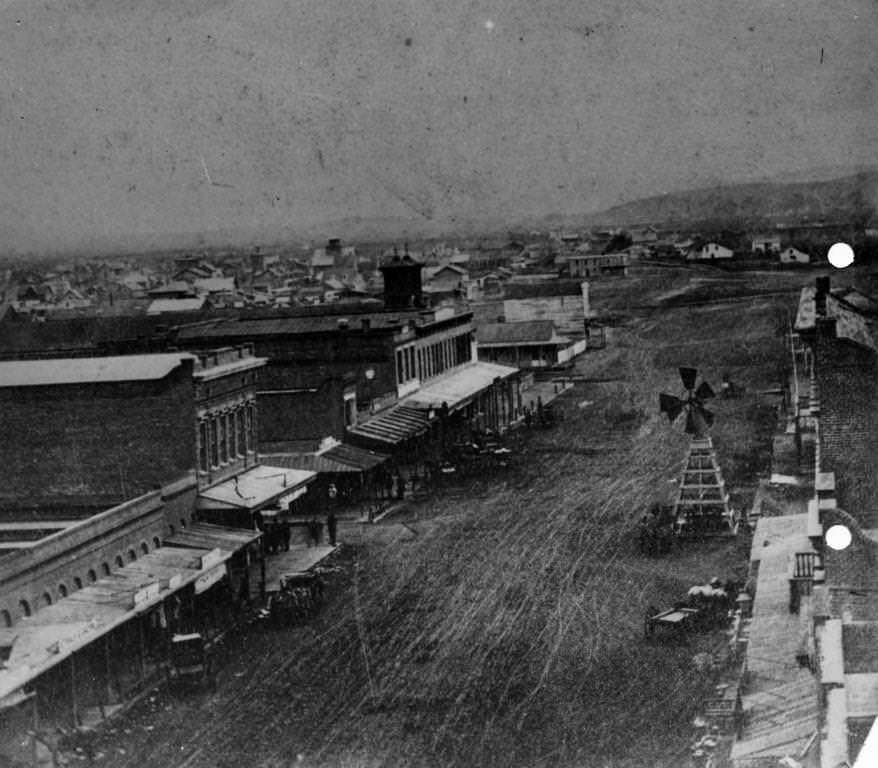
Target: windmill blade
(688, 375)
(698, 421)
(706, 415)
(673, 406)
(704, 391)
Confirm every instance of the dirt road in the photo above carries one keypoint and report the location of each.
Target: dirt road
(502, 624)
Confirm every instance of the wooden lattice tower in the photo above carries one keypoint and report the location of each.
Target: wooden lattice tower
(702, 506)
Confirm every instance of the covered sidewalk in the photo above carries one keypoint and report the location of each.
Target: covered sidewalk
(84, 655)
(238, 501)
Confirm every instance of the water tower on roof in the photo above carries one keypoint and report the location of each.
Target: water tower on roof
(402, 283)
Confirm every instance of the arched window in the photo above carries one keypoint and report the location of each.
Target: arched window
(92, 576)
(172, 530)
(24, 607)
(62, 590)
(120, 563)
(105, 569)
(77, 582)
(182, 524)
(155, 542)
(144, 548)
(47, 599)
(6, 617)
(132, 555)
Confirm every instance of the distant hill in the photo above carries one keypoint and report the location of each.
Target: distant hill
(754, 204)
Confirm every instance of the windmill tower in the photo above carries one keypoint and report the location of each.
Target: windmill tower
(702, 505)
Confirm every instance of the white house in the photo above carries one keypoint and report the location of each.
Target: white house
(709, 251)
(794, 256)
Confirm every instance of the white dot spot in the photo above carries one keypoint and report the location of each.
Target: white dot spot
(838, 537)
(841, 255)
(489, 25)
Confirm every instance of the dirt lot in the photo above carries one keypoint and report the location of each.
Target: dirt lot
(501, 623)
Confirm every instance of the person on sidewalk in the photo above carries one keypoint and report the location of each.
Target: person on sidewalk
(331, 527)
(313, 532)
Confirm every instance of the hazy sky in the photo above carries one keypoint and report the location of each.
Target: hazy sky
(251, 120)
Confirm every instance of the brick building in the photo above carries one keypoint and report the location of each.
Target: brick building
(93, 432)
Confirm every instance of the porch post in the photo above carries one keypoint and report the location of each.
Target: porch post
(74, 709)
(142, 647)
(35, 724)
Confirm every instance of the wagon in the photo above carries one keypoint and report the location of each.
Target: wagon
(298, 597)
(675, 622)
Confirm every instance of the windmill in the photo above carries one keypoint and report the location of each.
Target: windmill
(702, 506)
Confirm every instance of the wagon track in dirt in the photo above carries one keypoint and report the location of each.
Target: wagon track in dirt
(507, 633)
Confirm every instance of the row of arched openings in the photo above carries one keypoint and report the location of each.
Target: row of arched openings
(25, 608)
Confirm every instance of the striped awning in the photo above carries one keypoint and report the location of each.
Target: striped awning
(395, 425)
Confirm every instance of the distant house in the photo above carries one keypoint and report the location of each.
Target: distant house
(766, 243)
(709, 252)
(586, 264)
(794, 256)
(212, 285)
(160, 306)
(645, 235)
(447, 278)
(176, 289)
(529, 344)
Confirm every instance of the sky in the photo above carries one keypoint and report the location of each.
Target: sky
(125, 122)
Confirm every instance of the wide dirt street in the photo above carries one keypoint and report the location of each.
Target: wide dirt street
(501, 624)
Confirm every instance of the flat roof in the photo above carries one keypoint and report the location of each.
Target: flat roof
(862, 694)
(254, 488)
(57, 631)
(211, 536)
(89, 370)
(458, 387)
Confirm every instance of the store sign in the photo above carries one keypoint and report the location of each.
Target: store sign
(147, 593)
(207, 580)
(211, 559)
(284, 501)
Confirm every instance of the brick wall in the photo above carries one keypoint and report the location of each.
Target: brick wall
(108, 441)
(847, 377)
(307, 414)
(75, 557)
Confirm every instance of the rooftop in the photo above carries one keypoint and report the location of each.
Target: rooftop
(528, 332)
(89, 370)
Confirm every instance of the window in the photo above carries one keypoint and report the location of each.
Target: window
(202, 446)
(132, 555)
(6, 618)
(105, 569)
(242, 431)
(62, 590)
(24, 607)
(77, 582)
(46, 599)
(92, 575)
(120, 563)
(155, 542)
(399, 371)
(214, 444)
(221, 438)
(144, 548)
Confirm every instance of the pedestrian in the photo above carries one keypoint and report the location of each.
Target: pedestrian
(331, 524)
